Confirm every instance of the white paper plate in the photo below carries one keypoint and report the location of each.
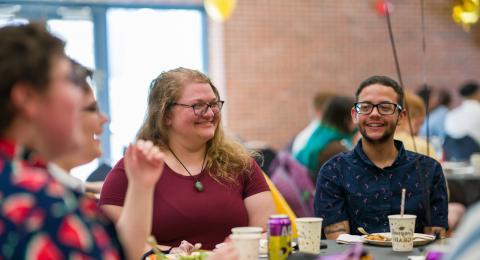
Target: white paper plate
(418, 239)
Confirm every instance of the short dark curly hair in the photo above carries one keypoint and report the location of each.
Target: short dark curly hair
(384, 81)
(26, 55)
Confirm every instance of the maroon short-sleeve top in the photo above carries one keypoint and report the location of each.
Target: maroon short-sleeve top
(180, 212)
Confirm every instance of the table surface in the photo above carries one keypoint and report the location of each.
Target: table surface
(378, 252)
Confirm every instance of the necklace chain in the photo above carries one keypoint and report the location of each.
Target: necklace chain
(198, 184)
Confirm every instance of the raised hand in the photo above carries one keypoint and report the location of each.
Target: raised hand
(144, 164)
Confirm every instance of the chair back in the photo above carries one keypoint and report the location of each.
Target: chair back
(281, 205)
(459, 149)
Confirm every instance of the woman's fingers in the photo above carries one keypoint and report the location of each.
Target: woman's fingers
(197, 246)
(152, 152)
(149, 151)
(226, 252)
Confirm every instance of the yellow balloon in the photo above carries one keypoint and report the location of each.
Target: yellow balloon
(219, 10)
(466, 14)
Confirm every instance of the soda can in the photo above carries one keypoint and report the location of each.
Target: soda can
(279, 237)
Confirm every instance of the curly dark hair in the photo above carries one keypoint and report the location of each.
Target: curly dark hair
(384, 81)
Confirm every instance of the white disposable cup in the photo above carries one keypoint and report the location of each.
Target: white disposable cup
(246, 245)
(309, 233)
(247, 230)
(402, 229)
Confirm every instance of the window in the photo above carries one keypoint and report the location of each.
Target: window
(137, 56)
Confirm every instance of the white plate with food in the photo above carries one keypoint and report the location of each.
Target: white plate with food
(385, 239)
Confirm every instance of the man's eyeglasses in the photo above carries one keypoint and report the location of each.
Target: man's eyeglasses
(200, 109)
(385, 108)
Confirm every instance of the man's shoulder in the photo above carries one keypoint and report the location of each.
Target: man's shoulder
(339, 160)
(414, 157)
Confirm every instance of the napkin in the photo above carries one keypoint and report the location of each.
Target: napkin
(349, 239)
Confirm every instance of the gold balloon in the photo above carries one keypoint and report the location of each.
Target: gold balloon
(466, 14)
(219, 10)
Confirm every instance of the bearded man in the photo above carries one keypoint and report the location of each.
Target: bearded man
(360, 188)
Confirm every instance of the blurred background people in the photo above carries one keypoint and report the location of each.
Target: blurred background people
(319, 102)
(333, 135)
(91, 121)
(210, 182)
(462, 125)
(416, 110)
(439, 105)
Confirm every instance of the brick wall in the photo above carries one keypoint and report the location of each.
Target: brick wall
(278, 53)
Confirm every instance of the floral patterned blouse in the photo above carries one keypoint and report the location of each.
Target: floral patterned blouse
(41, 219)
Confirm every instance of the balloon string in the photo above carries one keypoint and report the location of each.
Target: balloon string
(397, 67)
(428, 90)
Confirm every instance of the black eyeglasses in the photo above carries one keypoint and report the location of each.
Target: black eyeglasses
(384, 108)
(200, 109)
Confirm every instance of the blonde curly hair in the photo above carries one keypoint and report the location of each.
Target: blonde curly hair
(226, 158)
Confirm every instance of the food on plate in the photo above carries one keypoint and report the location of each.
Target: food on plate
(193, 256)
(376, 237)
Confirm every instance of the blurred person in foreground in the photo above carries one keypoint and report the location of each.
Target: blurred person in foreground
(39, 117)
(362, 187)
(92, 121)
(466, 239)
(332, 136)
(210, 182)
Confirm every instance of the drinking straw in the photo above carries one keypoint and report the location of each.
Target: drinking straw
(402, 203)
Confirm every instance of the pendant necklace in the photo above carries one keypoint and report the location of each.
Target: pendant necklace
(198, 184)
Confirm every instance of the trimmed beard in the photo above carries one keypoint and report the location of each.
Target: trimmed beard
(387, 135)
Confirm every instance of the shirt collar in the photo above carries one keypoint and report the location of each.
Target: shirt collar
(64, 177)
(401, 156)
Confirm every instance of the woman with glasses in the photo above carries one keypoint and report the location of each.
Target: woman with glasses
(210, 182)
(91, 124)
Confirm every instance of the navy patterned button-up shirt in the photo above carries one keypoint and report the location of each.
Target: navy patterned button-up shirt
(350, 187)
